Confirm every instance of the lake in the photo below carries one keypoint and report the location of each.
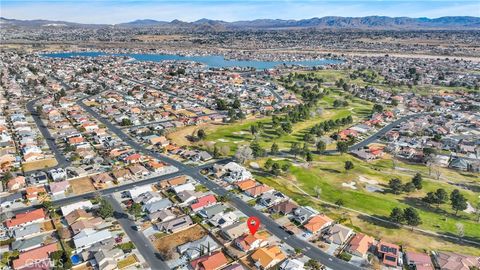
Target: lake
(213, 61)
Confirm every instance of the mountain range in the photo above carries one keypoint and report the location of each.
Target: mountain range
(369, 22)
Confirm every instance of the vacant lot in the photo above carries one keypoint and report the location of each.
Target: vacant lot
(82, 185)
(39, 164)
(167, 244)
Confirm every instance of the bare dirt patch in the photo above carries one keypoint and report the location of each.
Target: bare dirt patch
(82, 185)
(166, 245)
(39, 164)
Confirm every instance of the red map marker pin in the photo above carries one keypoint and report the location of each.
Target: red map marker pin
(253, 224)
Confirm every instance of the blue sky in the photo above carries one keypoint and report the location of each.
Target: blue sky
(117, 11)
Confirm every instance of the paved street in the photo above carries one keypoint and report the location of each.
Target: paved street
(62, 161)
(143, 245)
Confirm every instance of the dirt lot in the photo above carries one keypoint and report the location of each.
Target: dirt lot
(48, 226)
(82, 185)
(167, 244)
(39, 164)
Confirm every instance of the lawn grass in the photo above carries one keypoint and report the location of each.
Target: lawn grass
(129, 260)
(327, 173)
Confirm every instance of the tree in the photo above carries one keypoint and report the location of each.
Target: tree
(286, 167)
(268, 164)
(348, 165)
(342, 147)
(441, 196)
(216, 153)
(135, 209)
(274, 149)
(395, 185)
(309, 156)
(222, 105)
(458, 201)
(287, 127)
(276, 169)
(201, 134)
(318, 191)
(411, 217)
(460, 230)
(257, 150)
(295, 149)
(105, 210)
(243, 154)
(339, 203)
(236, 104)
(47, 205)
(397, 215)
(409, 187)
(377, 108)
(126, 122)
(224, 150)
(253, 130)
(321, 146)
(417, 181)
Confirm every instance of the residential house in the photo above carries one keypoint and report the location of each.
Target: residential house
(234, 230)
(318, 223)
(418, 261)
(67, 209)
(179, 180)
(338, 234)
(292, 264)
(213, 261)
(223, 219)
(210, 211)
(27, 244)
(80, 225)
(176, 224)
(37, 255)
(157, 206)
(58, 188)
(270, 198)
(10, 199)
(303, 214)
(184, 187)
(26, 218)
(122, 175)
(246, 184)
(101, 179)
(267, 257)
(88, 237)
(58, 174)
(389, 253)
(162, 215)
(107, 258)
(450, 260)
(284, 207)
(360, 244)
(203, 202)
(258, 190)
(137, 191)
(195, 249)
(16, 183)
(248, 242)
(26, 231)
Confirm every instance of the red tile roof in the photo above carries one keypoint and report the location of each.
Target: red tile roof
(28, 258)
(204, 201)
(22, 218)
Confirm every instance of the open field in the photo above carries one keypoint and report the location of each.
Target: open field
(327, 173)
(82, 185)
(39, 164)
(167, 244)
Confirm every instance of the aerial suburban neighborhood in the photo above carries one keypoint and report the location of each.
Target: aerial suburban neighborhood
(327, 143)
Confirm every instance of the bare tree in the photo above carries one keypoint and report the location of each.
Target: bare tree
(318, 191)
(460, 230)
(243, 154)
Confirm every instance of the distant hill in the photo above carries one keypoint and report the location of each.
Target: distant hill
(369, 22)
